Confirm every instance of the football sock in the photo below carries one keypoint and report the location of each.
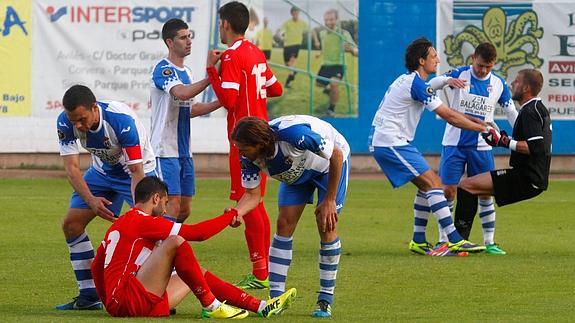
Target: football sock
(280, 260)
(442, 237)
(231, 294)
(465, 212)
(190, 272)
(81, 257)
(421, 215)
(331, 107)
(487, 215)
(438, 205)
(255, 237)
(328, 261)
(267, 232)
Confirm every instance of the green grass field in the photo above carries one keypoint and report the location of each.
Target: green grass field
(378, 280)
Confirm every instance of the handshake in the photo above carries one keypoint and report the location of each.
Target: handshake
(495, 138)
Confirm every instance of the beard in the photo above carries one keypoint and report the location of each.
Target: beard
(517, 96)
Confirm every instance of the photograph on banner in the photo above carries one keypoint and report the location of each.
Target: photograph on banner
(110, 47)
(312, 47)
(531, 34)
(15, 43)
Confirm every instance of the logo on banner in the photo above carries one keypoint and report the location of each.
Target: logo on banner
(11, 20)
(119, 14)
(517, 44)
(56, 14)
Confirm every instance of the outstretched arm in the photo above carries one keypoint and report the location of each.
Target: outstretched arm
(186, 92)
(459, 120)
(209, 228)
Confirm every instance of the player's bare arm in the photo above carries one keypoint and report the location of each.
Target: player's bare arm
(137, 173)
(458, 119)
(249, 201)
(97, 204)
(326, 211)
(186, 92)
(200, 108)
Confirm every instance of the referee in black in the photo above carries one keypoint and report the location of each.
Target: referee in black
(530, 159)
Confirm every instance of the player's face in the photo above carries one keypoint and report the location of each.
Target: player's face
(481, 67)
(162, 206)
(84, 118)
(223, 37)
(330, 20)
(295, 15)
(431, 61)
(250, 152)
(182, 43)
(517, 88)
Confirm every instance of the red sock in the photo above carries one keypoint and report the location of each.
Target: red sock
(255, 236)
(231, 294)
(190, 272)
(267, 234)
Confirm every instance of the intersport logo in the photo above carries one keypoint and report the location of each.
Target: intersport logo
(118, 14)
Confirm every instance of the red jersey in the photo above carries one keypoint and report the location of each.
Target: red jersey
(244, 82)
(131, 239)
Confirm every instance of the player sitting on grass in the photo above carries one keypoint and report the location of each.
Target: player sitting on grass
(133, 265)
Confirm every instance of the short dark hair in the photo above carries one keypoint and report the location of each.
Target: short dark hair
(486, 51)
(254, 131)
(171, 28)
(149, 186)
(419, 48)
(78, 95)
(293, 9)
(533, 79)
(237, 15)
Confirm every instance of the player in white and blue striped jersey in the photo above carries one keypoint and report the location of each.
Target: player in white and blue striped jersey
(475, 91)
(305, 154)
(172, 92)
(121, 157)
(393, 130)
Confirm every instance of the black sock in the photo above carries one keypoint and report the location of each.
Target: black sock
(331, 107)
(465, 212)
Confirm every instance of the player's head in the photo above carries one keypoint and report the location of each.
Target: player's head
(152, 191)
(527, 84)
(330, 18)
(177, 36)
(294, 12)
(484, 59)
(420, 55)
(254, 138)
(81, 108)
(234, 20)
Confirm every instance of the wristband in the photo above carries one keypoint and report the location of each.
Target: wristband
(513, 145)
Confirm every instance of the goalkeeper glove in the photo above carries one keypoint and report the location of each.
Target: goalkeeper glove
(491, 136)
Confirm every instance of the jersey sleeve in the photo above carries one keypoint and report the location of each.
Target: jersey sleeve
(129, 138)
(534, 123)
(66, 137)
(165, 78)
(156, 228)
(301, 136)
(506, 102)
(424, 93)
(250, 173)
(273, 86)
(440, 81)
(204, 230)
(226, 84)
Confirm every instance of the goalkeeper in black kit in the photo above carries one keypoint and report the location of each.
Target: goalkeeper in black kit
(530, 159)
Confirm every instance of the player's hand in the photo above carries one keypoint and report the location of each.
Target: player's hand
(98, 205)
(456, 83)
(326, 215)
(237, 220)
(213, 57)
(491, 136)
(505, 140)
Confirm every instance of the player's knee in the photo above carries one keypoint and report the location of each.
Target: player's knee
(72, 228)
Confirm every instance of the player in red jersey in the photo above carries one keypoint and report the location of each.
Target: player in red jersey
(242, 85)
(133, 270)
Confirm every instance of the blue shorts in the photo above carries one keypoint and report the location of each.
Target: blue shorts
(455, 159)
(115, 190)
(400, 164)
(179, 175)
(303, 193)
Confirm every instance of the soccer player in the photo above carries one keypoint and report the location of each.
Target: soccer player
(476, 91)
(264, 40)
(242, 86)
(133, 266)
(530, 148)
(304, 153)
(394, 128)
(334, 42)
(172, 92)
(291, 32)
(121, 157)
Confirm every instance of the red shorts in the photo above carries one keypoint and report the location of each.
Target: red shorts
(237, 190)
(133, 299)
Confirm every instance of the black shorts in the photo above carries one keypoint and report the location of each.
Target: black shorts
(512, 185)
(267, 53)
(329, 71)
(290, 51)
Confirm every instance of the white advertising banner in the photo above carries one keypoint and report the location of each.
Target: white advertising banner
(109, 46)
(527, 34)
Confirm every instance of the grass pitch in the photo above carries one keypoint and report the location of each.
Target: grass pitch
(378, 279)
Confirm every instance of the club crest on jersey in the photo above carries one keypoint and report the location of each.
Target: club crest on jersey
(106, 142)
(61, 135)
(490, 88)
(167, 72)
